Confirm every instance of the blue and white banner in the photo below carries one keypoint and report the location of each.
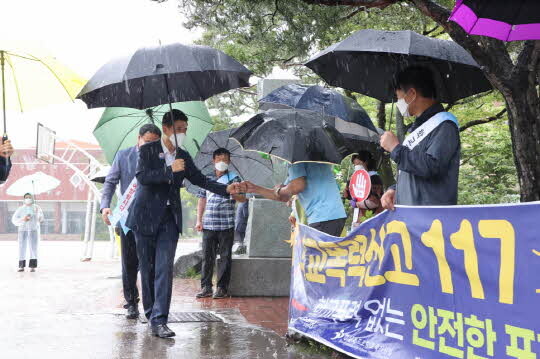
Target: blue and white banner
(423, 283)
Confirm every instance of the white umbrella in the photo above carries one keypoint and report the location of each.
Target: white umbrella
(36, 183)
(100, 175)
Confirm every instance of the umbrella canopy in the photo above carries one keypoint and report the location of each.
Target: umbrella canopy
(118, 127)
(294, 135)
(504, 20)
(36, 183)
(249, 165)
(154, 76)
(320, 99)
(350, 118)
(31, 78)
(368, 61)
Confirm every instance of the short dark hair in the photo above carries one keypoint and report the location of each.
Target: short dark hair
(177, 115)
(221, 151)
(418, 77)
(149, 127)
(28, 194)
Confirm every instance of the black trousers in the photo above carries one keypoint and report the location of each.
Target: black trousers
(130, 267)
(333, 227)
(156, 260)
(214, 243)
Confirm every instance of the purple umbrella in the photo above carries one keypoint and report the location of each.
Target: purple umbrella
(507, 20)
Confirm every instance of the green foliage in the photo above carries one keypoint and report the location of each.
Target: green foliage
(189, 214)
(263, 34)
(192, 273)
(488, 173)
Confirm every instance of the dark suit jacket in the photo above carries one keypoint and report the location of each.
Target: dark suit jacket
(158, 184)
(5, 167)
(123, 170)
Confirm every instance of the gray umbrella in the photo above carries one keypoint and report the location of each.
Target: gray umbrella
(154, 76)
(295, 136)
(368, 61)
(249, 165)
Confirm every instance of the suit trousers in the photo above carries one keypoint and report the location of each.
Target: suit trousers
(130, 267)
(214, 243)
(156, 263)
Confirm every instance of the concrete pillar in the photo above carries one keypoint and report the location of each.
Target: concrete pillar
(57, 217)
(64, 218)
(4, 217)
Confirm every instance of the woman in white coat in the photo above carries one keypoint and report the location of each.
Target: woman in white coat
(28, 218)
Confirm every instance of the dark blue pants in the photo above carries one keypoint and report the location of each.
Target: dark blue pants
(156, 263)
(130, 267)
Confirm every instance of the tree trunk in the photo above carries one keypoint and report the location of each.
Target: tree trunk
(384, 166)
(524, 122)
(400, 126)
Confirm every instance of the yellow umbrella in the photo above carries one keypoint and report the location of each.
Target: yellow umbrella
(32, 78)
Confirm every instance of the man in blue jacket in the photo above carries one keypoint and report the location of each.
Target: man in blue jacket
(6, 150)
(428, 159)
(123, 172)
(156, 214)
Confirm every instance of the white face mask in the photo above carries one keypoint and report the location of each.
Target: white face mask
(359, 167)
(28, 201)
(221, 166)
(403, 107)
(180, 137)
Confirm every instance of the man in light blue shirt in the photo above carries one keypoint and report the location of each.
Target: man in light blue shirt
(318, 192)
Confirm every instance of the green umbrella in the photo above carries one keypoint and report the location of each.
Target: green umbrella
(118, 127)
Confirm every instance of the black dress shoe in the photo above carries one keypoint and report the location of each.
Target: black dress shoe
(206, 292)
(162, 331)
(132, 312)
(220, 293)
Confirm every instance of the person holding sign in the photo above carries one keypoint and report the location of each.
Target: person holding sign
(365, 188)
(28, 218)
(428, 159)
(123, 171)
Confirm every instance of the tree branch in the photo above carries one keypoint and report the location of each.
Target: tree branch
(481, 122)
(381, 4)
(493, 55)
(381, 115)
(470, 158)
(427, 32)
(353, 14)
(247, 92)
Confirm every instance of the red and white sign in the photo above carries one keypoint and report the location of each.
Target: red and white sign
(360, 186)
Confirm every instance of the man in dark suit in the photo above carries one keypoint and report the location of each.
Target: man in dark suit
(156, 214)
(6, 150)
(123, 171)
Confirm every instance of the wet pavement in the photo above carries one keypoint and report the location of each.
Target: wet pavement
(72, 309)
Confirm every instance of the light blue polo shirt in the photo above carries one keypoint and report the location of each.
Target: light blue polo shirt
(321, 198)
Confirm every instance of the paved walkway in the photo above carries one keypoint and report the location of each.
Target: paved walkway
(72, 309)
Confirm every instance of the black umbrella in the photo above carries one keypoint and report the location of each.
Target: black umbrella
(317, 98)
(154, 76)
(294, 135)
(350, 118)
(250, 166)
(504, 20)
(368, 61)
